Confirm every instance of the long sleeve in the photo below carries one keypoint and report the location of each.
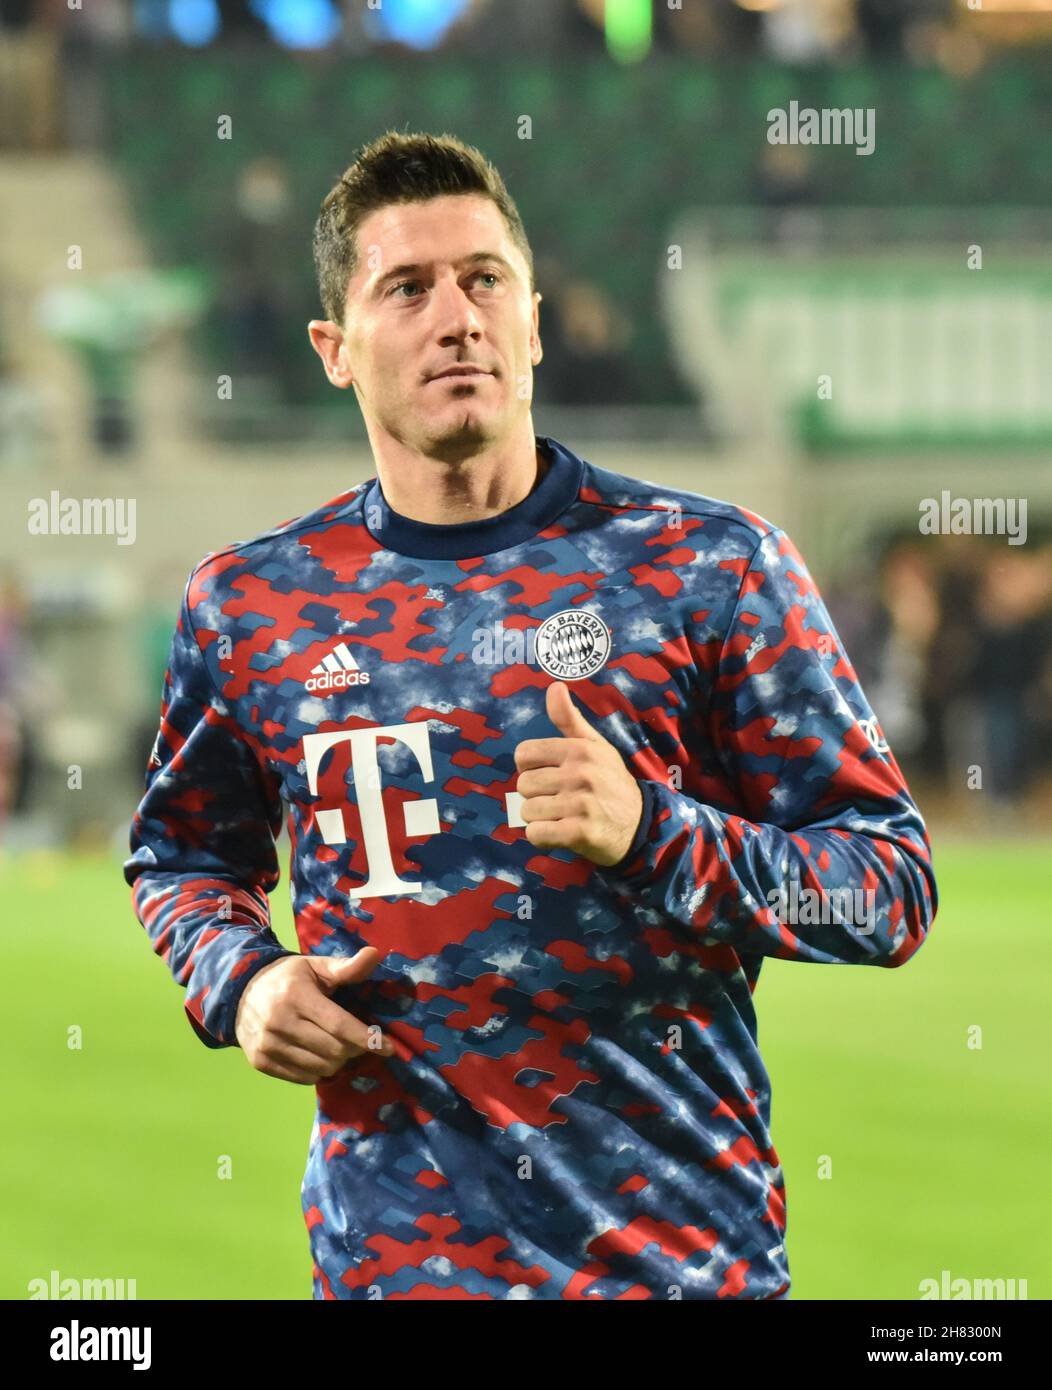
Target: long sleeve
(203, 845)
(821, 854)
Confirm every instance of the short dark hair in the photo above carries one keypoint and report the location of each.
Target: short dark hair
(399, 168)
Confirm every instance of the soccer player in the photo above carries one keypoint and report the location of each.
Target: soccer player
(565, 755)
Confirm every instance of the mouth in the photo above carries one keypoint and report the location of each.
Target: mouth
(461, 374)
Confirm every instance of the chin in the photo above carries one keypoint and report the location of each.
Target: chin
(471, 428)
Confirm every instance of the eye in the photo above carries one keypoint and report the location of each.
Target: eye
(491, 275)
(402, 284)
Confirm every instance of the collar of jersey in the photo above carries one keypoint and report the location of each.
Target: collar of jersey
(468, 539)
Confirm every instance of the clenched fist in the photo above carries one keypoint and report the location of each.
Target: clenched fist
(288, 1026)
(576, 791)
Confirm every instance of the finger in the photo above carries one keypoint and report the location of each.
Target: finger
(300, 1061)
(565, 715)
(340, 1024)
(304, 1032)
(351, 969)
(554, 834)
(541, 781)
(542, 752)
(551, 807)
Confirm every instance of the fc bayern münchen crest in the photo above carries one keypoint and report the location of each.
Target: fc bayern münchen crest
(572, 645)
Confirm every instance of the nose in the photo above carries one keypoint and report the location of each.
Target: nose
(456, 315)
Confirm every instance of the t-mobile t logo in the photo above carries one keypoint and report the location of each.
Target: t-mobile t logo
(421, 817)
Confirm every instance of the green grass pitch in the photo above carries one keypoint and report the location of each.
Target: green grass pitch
(938, 1150)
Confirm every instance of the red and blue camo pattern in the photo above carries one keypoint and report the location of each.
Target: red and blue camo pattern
(577, 1107)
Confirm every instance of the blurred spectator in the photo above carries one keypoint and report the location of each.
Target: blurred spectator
(956, 658)
(259, 242)
(240, 19)
(721, 27)
(1011, 633)
(29, 74)
(908, 589)
(784, 186)
(585, 337)
(13, 693)
(885, 25)
(90, 34)
(951, 711)
(807, 31)
(24, 417)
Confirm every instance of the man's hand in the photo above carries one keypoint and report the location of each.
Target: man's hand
(576, 791)
(288, 1026)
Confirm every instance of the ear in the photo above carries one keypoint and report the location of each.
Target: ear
(327, 341)
(536, 351)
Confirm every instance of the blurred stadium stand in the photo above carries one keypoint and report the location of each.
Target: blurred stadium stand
(797, 262)
(661, 137)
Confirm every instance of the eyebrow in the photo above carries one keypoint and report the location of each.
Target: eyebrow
(474, 259)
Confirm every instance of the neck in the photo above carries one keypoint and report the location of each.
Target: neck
(462, 485)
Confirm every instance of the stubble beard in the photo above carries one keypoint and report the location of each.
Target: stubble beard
(463, 437)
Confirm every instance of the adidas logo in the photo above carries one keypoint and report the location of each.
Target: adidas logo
(337, 671)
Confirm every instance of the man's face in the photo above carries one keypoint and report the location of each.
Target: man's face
(439, 284)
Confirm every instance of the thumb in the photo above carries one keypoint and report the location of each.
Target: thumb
(332, 972)
(565, 715)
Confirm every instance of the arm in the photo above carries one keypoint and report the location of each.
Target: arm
(202, 840)
(822, 808)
